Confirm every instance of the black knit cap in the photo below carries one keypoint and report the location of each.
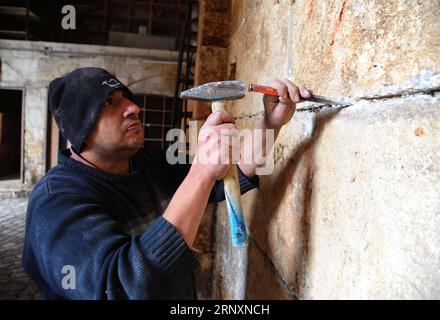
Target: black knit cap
(76, 100)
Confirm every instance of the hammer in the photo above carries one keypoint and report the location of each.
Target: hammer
(218, 93)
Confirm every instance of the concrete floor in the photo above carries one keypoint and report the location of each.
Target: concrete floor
(14, 283)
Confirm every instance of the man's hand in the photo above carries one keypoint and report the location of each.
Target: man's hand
(214, 145)
(211, 163)
(279, 110)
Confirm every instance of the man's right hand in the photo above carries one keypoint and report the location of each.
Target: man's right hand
(188, 204)
(214, 147)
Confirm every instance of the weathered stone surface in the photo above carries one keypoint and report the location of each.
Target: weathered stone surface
(353, 47)
(212, 38)
(352, 206)
(211, 67)
(351, 209)
(226, 273)
(214, 26)
(204, 246)
(340, 49)
(263, 282)
(375, 205)
(279, 220)
(35, 110)
(258, 47)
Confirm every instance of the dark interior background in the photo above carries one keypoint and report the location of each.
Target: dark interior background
(10, 133)
(155, 24)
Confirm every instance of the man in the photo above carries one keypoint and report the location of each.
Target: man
(89, 228)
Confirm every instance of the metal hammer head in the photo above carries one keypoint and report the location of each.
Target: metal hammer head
(215, 91)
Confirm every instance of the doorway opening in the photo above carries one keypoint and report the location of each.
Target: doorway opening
(11, 105)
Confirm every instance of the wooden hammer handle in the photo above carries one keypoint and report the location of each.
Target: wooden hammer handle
(237, 225)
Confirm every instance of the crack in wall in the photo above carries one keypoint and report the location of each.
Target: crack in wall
(401, 94)
(258, 114)
(312, 108)
(288, 288)
(319, 107)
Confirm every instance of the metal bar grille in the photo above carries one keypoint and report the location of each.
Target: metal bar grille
(156, 111)
(187, 49)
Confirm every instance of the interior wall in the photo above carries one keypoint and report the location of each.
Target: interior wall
(351, 210)
(32, 65)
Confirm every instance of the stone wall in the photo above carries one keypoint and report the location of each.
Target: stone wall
(32, 65)
(352, 209)
(212, 53)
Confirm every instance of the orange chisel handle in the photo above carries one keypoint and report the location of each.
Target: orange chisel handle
(314, 98)
(263, 89)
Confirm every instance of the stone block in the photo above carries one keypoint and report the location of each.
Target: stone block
(357, 48)
(374, 211)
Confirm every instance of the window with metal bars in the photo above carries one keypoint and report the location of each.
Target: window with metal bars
(156, 116)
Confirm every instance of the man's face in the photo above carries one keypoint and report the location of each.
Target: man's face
(118, 132)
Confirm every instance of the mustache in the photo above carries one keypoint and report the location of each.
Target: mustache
(132, 121)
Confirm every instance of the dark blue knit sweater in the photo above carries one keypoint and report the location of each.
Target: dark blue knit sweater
(109, 228)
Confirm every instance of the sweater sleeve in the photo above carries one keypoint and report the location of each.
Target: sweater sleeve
(246, 184)
(67, 230)
(176, 174)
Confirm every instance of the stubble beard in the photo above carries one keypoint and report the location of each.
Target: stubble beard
(116, 151)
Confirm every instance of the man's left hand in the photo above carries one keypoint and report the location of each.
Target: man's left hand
(280, 109)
